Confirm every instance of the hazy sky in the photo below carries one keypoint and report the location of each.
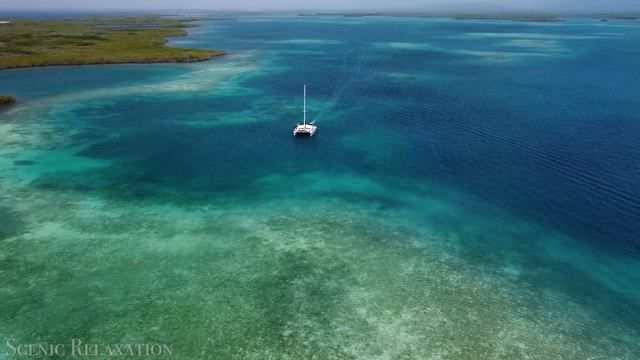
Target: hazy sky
(441, 5)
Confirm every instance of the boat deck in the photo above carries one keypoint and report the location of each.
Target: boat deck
(304, 129)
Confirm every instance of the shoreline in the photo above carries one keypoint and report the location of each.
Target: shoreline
(149, 62)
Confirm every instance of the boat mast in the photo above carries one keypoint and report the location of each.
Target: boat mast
(305, 105)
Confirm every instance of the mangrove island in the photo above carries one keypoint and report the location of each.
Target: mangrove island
(6, 100)
(95, 40)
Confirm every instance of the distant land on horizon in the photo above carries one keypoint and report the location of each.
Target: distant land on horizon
(231, 15)
(467, 13)
(511, 16)
(471, 16)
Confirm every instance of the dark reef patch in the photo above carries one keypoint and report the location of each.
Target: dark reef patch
(23, 162)
(11, 224)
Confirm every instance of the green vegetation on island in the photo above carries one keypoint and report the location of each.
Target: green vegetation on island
(6, 100)
(95, 40)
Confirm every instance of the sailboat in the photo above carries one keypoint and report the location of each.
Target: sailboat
(304, 128)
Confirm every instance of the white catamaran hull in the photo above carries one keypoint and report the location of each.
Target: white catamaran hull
(304, 128)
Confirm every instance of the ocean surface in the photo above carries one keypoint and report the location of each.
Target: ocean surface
(472, 192)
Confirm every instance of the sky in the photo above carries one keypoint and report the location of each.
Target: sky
(577, 6)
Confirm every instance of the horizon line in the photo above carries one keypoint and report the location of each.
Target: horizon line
(327, 11)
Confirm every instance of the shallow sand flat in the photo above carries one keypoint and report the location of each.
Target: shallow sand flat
(344, 282)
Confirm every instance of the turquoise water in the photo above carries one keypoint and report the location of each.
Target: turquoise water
(472, 192)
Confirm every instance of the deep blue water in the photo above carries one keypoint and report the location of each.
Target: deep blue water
(512, 146)
(552, 139)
